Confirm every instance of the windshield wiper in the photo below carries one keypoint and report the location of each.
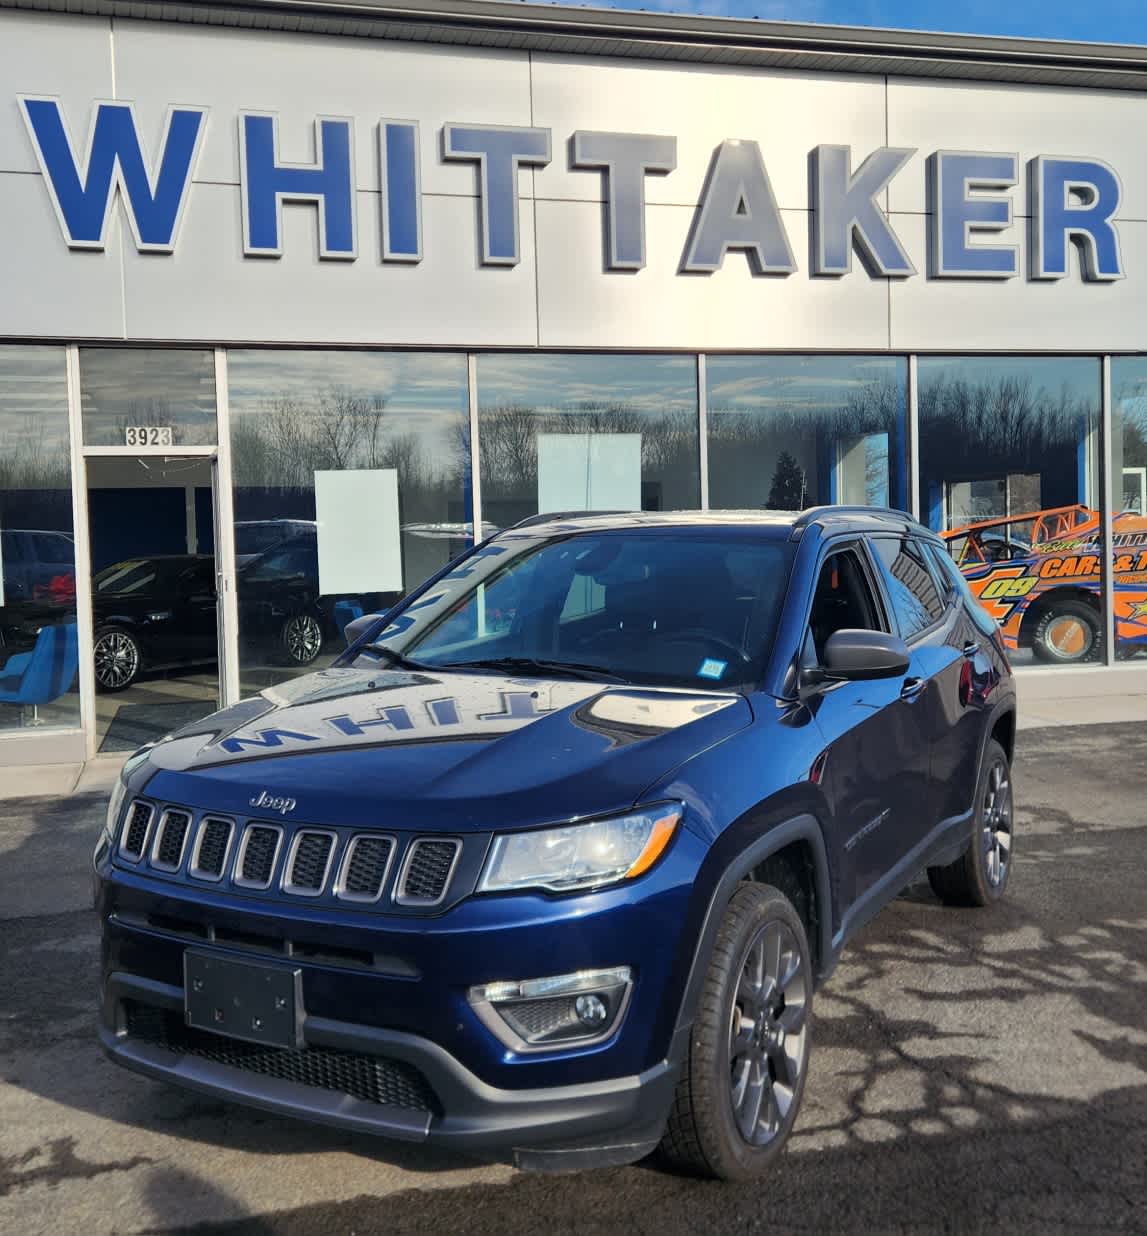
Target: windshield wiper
(394, 659)
(536, 665)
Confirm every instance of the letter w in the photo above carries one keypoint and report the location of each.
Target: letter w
(114, 161)
(265, 739)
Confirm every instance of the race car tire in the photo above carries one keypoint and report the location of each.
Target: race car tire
(980, 875)
(1068, 632)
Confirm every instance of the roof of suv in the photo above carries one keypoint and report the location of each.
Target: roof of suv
(830, 518)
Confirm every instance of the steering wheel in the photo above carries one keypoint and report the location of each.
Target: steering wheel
(698, 635)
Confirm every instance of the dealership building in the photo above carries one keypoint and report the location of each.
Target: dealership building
(299, 295)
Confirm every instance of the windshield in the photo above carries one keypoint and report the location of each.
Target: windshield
(682, 607)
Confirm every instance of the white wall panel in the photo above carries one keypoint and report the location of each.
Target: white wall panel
(301, 77)
(54, 55)
(45, 288)
(580, 306)
(1023, 120)
(207, 291)
(1065, 315)
(787, 113)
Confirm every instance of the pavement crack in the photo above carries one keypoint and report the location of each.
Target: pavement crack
(59, 1163)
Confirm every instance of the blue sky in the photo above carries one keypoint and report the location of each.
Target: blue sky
(1106, 21)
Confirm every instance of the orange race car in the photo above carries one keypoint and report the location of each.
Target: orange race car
(1038, 575)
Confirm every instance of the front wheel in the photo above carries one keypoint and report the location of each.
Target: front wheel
(980, 875)
(301, 639)
(117, 659)
(741, 1084)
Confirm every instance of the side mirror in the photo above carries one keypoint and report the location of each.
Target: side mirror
(357, 626)
(858, 655)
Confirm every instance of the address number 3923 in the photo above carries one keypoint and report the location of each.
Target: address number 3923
(148, 435)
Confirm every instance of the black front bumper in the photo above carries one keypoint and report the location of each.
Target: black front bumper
(593, 1124)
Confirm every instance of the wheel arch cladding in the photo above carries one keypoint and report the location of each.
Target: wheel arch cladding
(791, 855)
(1004, 732)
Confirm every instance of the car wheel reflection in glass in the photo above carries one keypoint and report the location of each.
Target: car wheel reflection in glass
(302, 639)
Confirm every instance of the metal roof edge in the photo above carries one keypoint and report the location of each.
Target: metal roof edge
(655, 36)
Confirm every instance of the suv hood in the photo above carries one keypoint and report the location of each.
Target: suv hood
(437, 751)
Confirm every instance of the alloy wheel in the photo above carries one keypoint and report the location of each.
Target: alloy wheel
(997, 824)
(117, 660)
(303, 638)
(768, 1033)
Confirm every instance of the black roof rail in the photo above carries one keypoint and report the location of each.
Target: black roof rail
(549, 516)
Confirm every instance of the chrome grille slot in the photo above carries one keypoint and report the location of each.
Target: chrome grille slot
(170, 840)
(257, 854)
(427, 870)
(135, 830)
(365, 867)
(212, 847)
(309, 862)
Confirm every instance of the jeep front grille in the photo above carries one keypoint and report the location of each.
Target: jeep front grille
(427, 870)
(257, 853)
(365, 868)
(372, 1079)
(170, 838)
(135, 831)
(309, 863)
(211, 848)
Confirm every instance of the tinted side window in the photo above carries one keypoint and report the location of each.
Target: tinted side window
(842, 601)
(955, 577)
(915, 598)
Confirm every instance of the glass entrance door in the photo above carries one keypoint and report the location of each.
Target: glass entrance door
(155, 627)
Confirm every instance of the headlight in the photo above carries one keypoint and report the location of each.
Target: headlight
(580, 856)
(115, 806)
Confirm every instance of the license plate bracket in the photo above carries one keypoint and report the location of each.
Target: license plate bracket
(248, 1000)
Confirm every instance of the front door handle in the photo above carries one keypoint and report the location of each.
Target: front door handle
(970, 649)
(912, 688)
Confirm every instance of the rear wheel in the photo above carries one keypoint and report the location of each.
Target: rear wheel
(741, 1085)
(980, 875)
(1067, 633)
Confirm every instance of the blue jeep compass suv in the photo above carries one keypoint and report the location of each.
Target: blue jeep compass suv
(550, 864)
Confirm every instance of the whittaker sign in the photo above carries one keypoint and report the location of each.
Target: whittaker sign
(972, 196)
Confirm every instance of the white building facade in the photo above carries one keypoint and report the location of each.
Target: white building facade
(296, 298)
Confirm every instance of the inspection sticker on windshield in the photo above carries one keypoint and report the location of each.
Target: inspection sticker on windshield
(711, 668)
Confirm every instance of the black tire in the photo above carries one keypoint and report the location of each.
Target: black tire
(744, 1043)
(1068, 632)
(980, 875)
(118, 659)
(300, 639)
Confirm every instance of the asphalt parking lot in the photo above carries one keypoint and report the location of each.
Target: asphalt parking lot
(971, 1071)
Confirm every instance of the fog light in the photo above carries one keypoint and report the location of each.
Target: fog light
(591, 1010)
(567, 1009)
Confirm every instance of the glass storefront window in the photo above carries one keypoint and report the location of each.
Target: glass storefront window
(1129, 517)
(38, 645)
(788, 432)
(1009, 467)
(573, 433)
(351, 485)
(148, 397)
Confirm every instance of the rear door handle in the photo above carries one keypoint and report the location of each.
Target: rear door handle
(912, 688)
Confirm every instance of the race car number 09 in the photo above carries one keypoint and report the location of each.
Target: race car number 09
(147, 435)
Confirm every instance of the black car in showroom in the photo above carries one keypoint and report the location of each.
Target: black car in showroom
(160, 612)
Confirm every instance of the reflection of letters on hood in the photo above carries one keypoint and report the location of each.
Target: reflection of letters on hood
(370, 711)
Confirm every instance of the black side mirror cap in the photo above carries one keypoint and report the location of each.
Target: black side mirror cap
(857, 655)
(357, 626)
